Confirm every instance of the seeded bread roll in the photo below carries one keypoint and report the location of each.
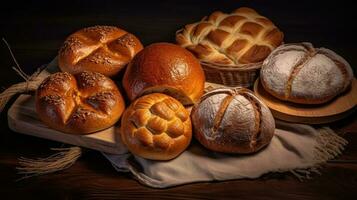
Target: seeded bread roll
(303, 74)
(103, 49)
(156, 126)
(232, 121)
(165, 68)
(79, 104)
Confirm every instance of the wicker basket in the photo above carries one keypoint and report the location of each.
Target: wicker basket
(243, 75)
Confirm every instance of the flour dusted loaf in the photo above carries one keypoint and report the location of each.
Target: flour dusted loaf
(303, 74)
(240, 37)
(232, 121)
(165, 68)
(156, 126)
(103, 49)
(79, 104)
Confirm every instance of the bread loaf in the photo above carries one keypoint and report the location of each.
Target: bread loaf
(156, 126)
(234, 39)
(103, 49)
(165, 68)
(232, 121)
(300, 73)
(79, 104)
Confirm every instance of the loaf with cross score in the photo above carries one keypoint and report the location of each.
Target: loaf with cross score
(303, 74)
(233, 39)
(232, 121)
(79, 104)
(103, 49)
(156, 126)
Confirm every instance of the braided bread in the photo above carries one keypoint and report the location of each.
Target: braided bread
(156, 126)
(240, 37)
(79, 104)
(232, 121)
(103, 49)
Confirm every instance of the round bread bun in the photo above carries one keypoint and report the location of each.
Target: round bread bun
(165, 68)
(103, 49)
(79, 104)
(157, 127)
(303, 74)
(232, 121)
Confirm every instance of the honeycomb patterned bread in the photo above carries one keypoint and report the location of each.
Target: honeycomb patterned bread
(157, 127)
(103, 49)
(234, 39)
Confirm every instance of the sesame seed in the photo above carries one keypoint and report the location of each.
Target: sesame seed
(102, 96)
(126, 40)
(53, 99)
(82, 113)
(55, 79)
(90, 78)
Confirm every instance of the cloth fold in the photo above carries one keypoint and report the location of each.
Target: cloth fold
(297, 148)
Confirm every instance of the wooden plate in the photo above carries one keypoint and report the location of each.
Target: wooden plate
(334, 110)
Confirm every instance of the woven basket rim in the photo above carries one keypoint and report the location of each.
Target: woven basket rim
(241, 67)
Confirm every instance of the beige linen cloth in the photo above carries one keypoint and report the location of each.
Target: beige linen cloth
(297, 148)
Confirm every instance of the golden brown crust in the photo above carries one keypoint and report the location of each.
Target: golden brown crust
(156, 126)
(238, 38)
(79, 104)
(232, 121)
(103, 49)
(165, 68)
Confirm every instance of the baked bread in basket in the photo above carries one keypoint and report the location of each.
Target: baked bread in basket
(231, 47)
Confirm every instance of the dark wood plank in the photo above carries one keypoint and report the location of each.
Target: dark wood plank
(89, 179)
(36, 30)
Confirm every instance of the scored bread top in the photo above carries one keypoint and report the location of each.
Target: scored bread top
(103, 49)
(232, 121)
(240, 37)
(79, 104)
(301, 73)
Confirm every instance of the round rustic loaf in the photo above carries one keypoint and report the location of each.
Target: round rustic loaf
(165, 68)
(232, 121)
(300, 73)
(79, 104)
(156, 126)
(103, 49)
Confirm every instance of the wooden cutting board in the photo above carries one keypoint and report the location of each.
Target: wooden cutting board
(22, 118)
(334, 110)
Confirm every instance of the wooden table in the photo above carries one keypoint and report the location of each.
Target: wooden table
(36, 30)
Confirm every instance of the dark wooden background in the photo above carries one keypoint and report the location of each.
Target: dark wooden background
(35, 30)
